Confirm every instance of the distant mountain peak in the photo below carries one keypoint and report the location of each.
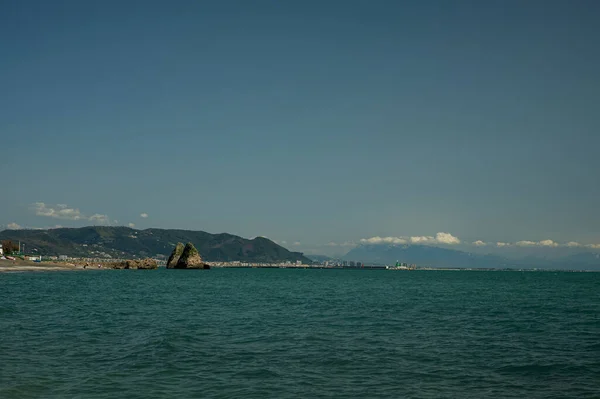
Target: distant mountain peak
(428, 255)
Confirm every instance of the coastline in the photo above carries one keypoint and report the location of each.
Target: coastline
(8, 266)
(18, 265)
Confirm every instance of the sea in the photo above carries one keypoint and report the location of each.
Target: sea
(299, 333)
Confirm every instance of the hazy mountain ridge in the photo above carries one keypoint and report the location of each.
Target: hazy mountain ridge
(117, 242)
(319, 258)
(424, 255)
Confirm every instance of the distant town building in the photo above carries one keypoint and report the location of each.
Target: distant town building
(1, 250)
(63, 257)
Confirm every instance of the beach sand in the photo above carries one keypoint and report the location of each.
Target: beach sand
(18, 265)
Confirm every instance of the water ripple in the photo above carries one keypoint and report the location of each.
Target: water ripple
(298, 333)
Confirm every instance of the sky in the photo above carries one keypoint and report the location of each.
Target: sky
(317, 124)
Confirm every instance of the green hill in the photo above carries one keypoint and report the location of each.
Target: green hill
(124, 242)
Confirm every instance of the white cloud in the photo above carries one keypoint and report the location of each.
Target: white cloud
(14, 226)
(143, 215)
(440, 238)
(446, 238)
(421, 239)
(297, 243)
(543, 243)
(331, 244)
(526, 243)
(98, 218)
(60, 211)
(383, 240)
(284, 242)
(548, 243)
(132, 225)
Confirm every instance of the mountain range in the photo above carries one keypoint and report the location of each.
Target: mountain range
(125, 242)
(425, 255)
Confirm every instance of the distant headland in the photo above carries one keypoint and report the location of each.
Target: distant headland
(108, 243)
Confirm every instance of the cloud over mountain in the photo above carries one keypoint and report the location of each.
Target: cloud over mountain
(59, 211)
(526, 243)
(383, 240)
(446, 238)
(543, 243)
(440, 238)
(63, 211)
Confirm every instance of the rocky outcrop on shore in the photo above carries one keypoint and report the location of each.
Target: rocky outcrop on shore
(190, 259)
(175, 255)
(134, 264)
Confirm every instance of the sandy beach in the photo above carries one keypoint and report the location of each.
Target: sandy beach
(18, 265)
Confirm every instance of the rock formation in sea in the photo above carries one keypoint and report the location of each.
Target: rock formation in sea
(175, 255)
(191, 259)
(135, 264)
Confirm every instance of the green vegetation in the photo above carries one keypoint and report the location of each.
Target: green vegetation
(124, 242)
(190, 258)
(189, 251)
(175, 255)
(9, 247)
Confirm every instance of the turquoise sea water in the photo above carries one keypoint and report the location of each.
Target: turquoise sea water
(285, 333)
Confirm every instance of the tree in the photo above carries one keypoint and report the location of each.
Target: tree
(9, 247)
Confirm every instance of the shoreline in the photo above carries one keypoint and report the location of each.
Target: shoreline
(10, 266)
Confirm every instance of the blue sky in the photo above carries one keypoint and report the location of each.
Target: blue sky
(309, 122)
